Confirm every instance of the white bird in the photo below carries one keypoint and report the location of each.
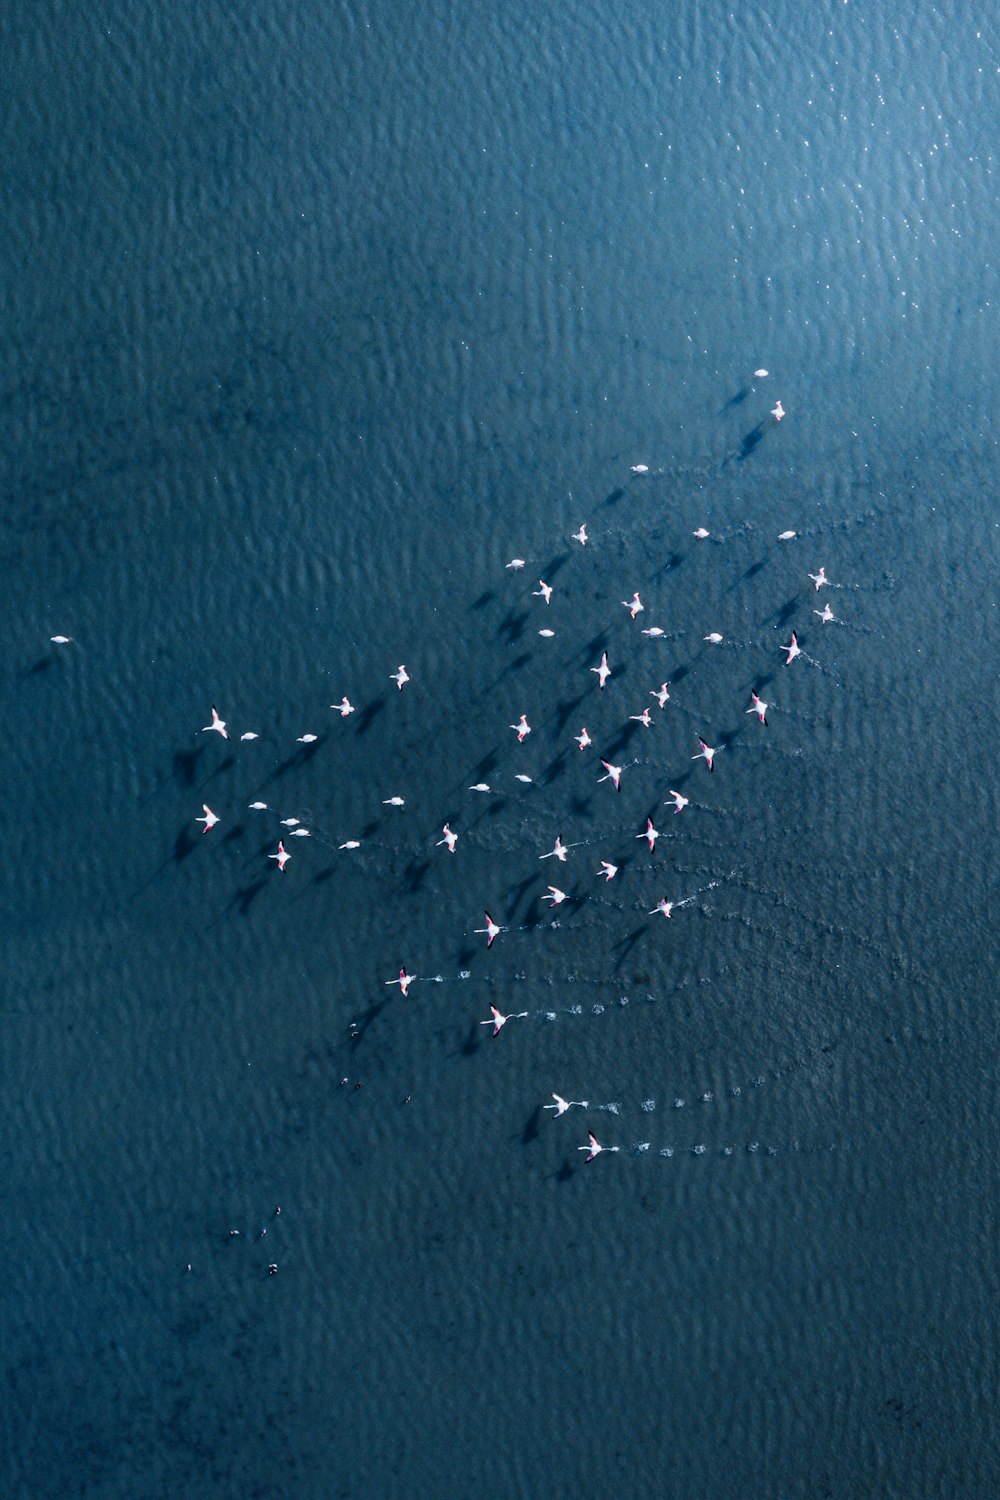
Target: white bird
(520, 776)
(219, 725)
(480, 786)
(562, 1105)
(491, 930)
(282, 856)
(787, 536)
(249, 735)
(701, 533)
(451, 839)
(594, 1148)
(61, 640)
(516, 562)
(581, 536)
(793, 648)
(554, 894)
(306, 739)
(758, 707)
(558, 852)
(651, 834)
(547, 634)
(662, 905)
(210, 819)
(583, 738)
(819, 579)
(393, 801)
(404, 981)
(351, 844)
(301, 833)
(543, 591)
(634, 605)
(642, 718)
(290, 822)
(826, 614)
(714, 639)
(680, 803)
(614, 774)
(400, 677)
(708, 753)
(640, 468)
(760, 374)
(777, 412)
(498, 1021)
(258, 806)
(654, 632)
(661, 694)
(344, 707)
(608, 870)
(523, 728)
(603, 671)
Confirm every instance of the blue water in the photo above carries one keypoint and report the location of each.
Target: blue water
(315, 317)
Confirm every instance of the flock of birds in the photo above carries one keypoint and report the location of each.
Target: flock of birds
(560, 852)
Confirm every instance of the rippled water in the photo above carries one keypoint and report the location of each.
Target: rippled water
(315, 318)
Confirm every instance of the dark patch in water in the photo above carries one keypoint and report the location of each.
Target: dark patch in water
(185, 765)
(370, 713)
(245, 896)
(184, 843)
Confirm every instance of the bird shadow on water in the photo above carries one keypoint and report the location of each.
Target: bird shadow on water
(482, 767)
(43, 664)
(781, 617)
(626, 944)
(483, 600)
(521, 660)
(673, 561)
(244, 897)
(567, 1171)
(517, 891)
(622, 740)
(358, 1028)
(532, 1128)
(565, 710)
(748, 443)
(294, 761)
(512, 625)
(221, 768)
(555, 565)
(749, 573)
(534, 917)
(185, 765)
(370, 713)
(614, 497)
(472, 1042)
(414, 874)
(734, 401)
(595, 646)
(184, 844)
(555, 768)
